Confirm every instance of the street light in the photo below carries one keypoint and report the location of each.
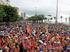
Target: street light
(56, 11)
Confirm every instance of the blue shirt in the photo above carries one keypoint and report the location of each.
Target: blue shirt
(41, 50)
(68, 48)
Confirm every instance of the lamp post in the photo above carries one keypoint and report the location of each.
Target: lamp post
(56, 11)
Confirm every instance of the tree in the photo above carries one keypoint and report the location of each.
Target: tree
(55, 19)
(37, 18)
(51, 18)
(2, 13)
(8, 13)
(11, 13)
(61, 18)
(20, 18)
(50, 15)
(69, 20)
(66, 20)
(7, 0)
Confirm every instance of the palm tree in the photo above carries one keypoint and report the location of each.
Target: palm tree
(66, 20)
(7, 0)
(55, 19)
(61, 18)
(51, 18)
(69, 20)
(50, 15)
(48, 20)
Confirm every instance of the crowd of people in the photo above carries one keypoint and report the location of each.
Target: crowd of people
(59, 27)
(23, 38)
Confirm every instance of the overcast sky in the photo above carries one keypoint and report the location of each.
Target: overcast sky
(47, 7)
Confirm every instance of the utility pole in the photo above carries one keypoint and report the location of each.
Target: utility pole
(56, 11)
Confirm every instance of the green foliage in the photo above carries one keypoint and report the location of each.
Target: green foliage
(8, 13)
(54, 17)
(37, 18)
(61, 17)
(2, 13)
(51, 18)
(20, 18)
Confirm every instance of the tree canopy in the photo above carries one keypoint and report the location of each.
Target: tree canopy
(8, 13)
(37, 18)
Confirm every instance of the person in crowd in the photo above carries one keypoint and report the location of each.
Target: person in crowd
(19, 38)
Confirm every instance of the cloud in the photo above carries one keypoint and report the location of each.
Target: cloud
(42, 6)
